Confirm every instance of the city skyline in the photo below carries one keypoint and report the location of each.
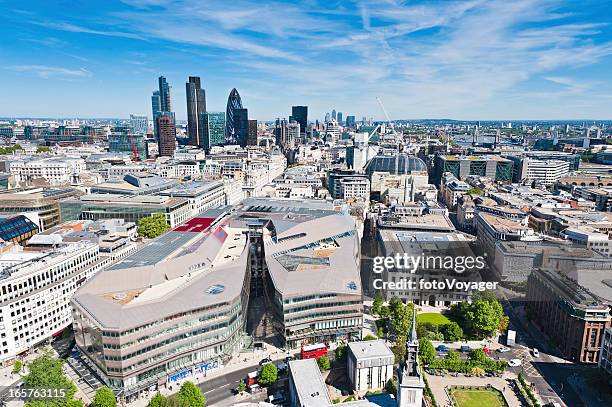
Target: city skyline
(486, 60)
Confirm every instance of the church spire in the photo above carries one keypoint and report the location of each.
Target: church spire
(413, 333)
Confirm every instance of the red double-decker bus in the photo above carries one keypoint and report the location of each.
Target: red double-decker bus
(313, 351)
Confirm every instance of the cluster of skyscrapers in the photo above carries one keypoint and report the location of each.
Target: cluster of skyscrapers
(205, 128)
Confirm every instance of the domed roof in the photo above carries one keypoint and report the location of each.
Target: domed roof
(386, 163)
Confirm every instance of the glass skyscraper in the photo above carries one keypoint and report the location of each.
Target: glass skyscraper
(300, 115)
(196, 105)
(213, 126)
(164, 95)
(233, 102)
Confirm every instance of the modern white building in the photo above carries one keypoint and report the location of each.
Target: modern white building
(35, 292)
(200, 194)
(369, 365)
(545, 171)
(56, 171)
(355, 187)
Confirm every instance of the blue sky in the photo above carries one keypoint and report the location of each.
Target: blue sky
(463, 59)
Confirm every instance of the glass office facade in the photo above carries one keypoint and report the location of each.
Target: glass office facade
(213, 124)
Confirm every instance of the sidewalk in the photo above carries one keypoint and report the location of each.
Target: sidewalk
(238, 362)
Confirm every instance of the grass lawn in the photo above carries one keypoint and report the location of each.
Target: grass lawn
(477, 398)
(432, 318)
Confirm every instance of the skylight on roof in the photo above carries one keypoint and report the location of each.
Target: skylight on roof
(215, 289)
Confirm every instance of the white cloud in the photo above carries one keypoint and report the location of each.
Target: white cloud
(45, 72)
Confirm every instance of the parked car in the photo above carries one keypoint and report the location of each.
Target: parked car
(265, 361)
(442, 348)
(277, 398)
(536, 353)
(514, 362)
(503, 349)
(289, 358)
(466, 349)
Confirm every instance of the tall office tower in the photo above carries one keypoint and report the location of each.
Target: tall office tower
(241, 122)
(350, 121)
(213, 126)
(156, 109)
(339, 117)
(293, 133)
(196, 105)
(166, 134)
(327, 117)
(333, 115)
(233, 102)
(280, 131)
(155, 104)
(139, 124)
(300, 115)
(252, 138)
(164, 95)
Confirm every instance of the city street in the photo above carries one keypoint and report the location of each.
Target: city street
(549, 373)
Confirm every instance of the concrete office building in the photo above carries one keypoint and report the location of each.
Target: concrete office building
(201, 195)
(492, 166)
(369, 365)
(187, 293)
(605, 356)
(132, 208)
(40, 206)
(573, 308)
(35, 289)
(166, 134)
(56, 171)
(252, 137)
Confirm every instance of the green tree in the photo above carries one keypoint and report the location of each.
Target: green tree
(503, 323)
(399, 348)
(377, 305)
(452, 331)
(477, 371)
(268, 374)
(42, 149)
(323, 362)
(369, 337)
(453, 355)
(400, 316)
(17, 366)
(241, 387)
(475, 191)
(426, 351)
(158, 400)
(391, 386)
(104, 397)
(46, 372)
(340, 353)
(153, 226)
(478, 355)
(190, 395)
(484, 317)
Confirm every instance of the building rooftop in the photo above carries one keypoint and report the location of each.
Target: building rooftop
(395, 164)
(503, 225)
(370, 349)
(309, 383)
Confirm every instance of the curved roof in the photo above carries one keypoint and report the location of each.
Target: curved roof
(387, 163)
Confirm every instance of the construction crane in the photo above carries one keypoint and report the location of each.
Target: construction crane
(134, 149)
(385, 112)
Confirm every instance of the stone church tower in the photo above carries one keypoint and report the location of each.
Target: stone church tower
(411, 385)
